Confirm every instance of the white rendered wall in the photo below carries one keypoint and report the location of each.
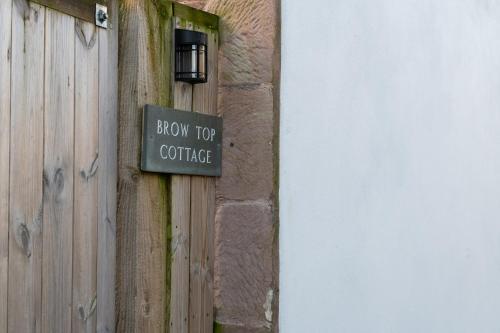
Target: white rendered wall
(390, 166)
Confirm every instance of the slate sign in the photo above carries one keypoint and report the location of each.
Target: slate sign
(181, 142)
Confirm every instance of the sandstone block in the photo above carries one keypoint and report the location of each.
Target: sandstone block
(247, 156)
(248, 31)
(243, 264)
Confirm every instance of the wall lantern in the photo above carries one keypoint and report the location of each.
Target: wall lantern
(190, 56)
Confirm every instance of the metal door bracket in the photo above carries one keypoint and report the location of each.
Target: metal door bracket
(101, 16)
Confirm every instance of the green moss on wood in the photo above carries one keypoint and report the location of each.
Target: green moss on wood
(158, 32)
(164, 8)
(165, 195)
(159, 16)
(218, 328)
(196, 16)
(159, 21)
(85, 10)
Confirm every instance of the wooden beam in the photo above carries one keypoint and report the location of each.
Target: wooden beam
(143, 218)
(196, 16)
(82, 9)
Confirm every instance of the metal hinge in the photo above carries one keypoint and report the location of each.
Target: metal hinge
(101, 16)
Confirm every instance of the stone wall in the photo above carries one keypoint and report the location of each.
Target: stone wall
(246, 263)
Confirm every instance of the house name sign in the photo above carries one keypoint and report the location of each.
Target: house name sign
(181, 142)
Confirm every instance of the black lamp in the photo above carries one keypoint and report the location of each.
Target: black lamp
(190, 56)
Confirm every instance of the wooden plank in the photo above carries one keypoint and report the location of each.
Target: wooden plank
(85, 177)
(5, 68)
(203, 209)
(58, 172)
(153, 216)
(181, 198)
(196, 16)
(26, 165)
(127, 171)
(143, 221)
(181, 214)
(82, 9)
(201, 277)
(107, 173)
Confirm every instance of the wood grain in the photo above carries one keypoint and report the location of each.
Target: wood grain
(143, 219)
(153, 274)
(82, 9)
(107, 173)
(203, 209)
(26, 168)
(181, 217)
(58, 172)
(54, 185)
(143, 210)
(5, 68)
(127, 170)
(86, 164)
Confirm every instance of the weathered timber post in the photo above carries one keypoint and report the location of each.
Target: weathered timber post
(143, 216)
(165, 223)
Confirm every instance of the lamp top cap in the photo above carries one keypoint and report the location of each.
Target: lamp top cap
(190, 37)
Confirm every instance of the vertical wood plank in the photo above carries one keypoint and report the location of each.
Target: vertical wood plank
(107, 173)
(85, 177)
(127, 170)
(153, 216)
(201, 277)
(181, 214)
(144, 226)
(5, 68)
(203, 210)
(58, 172)
(26, 165)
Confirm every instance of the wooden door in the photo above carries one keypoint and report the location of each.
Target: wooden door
(58, 161)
